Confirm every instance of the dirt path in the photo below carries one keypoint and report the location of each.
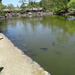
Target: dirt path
(15, 62)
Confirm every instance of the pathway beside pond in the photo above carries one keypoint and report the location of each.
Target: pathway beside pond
(15, 62)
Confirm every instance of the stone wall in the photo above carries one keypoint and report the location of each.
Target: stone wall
(15, 62)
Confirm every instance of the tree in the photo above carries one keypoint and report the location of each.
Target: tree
(72, 5)
(17, 6)
(23, 4)
(0, 1)
(10, 6)
(54, 5)
(43, 3)
(33, 4)
(2, 6)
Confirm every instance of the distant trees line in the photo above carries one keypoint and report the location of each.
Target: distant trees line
(54, 5)
(50, 5)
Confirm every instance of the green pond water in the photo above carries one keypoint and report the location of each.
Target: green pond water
(50, 41)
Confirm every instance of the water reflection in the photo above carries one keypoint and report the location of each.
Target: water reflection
(48, 40)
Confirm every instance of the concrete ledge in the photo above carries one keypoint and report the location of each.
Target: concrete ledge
(15, 62)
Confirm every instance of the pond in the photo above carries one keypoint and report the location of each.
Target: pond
(50, 41)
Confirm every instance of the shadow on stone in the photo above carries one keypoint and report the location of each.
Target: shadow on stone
(1, 38)
(1, 68)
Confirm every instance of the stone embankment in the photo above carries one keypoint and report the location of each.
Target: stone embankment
(15, 62)
(30, 14)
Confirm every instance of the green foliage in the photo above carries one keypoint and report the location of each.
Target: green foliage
(2, 6)
(33, 4)
(54, 5)
(2, 13)
(23, 5)
(10, 6)
(72, 5)
(46, 4)
(30, 4)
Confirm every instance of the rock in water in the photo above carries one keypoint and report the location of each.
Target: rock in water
(1, 68)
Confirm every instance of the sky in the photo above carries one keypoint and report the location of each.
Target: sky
(14, 2)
